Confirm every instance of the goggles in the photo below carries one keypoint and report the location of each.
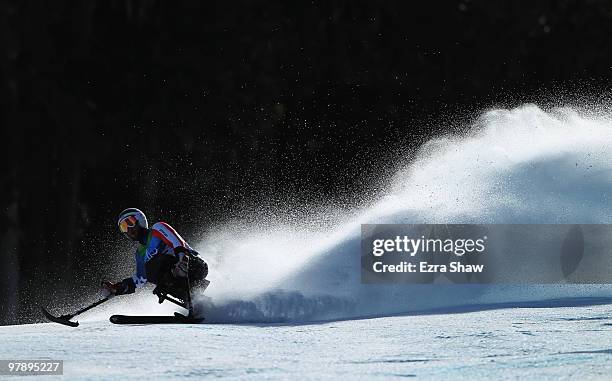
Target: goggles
(127, 222)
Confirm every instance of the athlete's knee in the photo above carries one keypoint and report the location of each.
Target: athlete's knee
(198, 269)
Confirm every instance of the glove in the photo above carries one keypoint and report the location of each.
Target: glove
(181, 268)
(118, 288)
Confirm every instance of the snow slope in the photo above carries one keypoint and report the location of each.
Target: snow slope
(297, 282)
(566, 343)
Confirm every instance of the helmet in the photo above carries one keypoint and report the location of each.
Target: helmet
(130, 217)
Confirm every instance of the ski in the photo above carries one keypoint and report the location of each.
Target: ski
(64, 319)
(176, 319)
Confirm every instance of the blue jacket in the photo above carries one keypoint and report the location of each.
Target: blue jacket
(161, 239)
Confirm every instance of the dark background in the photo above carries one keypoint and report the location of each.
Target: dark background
(199, 111)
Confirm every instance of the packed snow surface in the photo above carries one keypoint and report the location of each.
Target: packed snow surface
(564, 343)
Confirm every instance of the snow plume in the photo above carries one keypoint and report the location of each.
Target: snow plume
(524, 165)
